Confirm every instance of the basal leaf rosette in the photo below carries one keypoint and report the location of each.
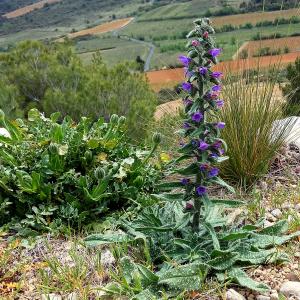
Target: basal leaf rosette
(202, 100)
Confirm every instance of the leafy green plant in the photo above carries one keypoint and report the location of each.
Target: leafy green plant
(189, 235)
(66, 173)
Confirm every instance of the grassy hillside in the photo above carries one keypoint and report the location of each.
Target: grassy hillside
(9, 5)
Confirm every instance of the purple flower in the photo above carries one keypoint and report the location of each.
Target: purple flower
(216, 88)
(187, 102)
(203, 146)
(215, 52)
(185, 181)
(189, 205)
(213, 172)
(222, 151)
(195, 43)
(186, 125)
(197, 116)
(188, 73)
(220, 125)
(217, 144)
(201, 190)
(203, 70)
(203, 167)
(184, 60)
(205, 34)
(187, 86)
(220, 103)
(213, 155)
(216, 75)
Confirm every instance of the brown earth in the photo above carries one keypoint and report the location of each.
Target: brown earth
(29, 8)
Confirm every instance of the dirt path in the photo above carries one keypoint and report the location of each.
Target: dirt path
(27, 9)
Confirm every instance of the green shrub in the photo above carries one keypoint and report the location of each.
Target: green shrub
(52, 78)
(69, 173)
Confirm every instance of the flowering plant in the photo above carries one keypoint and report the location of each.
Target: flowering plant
(204, 146)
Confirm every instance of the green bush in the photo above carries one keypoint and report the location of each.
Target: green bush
(52, 78)
(66, 173)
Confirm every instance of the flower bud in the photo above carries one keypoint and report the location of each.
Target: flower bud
(2, 115)
(99, 173)
(114, 119)
(157, 137)
(53, 149)
(122, 120)
(88, 155)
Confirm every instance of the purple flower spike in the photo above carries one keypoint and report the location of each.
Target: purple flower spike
(203, 70)
(195, 43)
(220, 125)
(216, 88)
(197, 117)
(216, 75)
(213, 172)
(185, 60)
(215, 52)
(220, 103)
(187, 86)
(203, 146)
(185, 181)
(201, 190)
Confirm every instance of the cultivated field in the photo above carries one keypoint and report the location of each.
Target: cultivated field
(254, 18)
(106, 27)
(291, 43)
(169, 78)
(27, 9)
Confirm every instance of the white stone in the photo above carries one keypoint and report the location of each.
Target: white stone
(4, 132)
(234, 295)
(292, 132)
(291, 288)
(262, 297)
(270, 217)
(268, 224)
(274, 296)
(277, 213)
(72, 296)
(107, 258)
(51, 297)
(297, 206)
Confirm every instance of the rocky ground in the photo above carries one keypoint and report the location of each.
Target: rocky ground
(38, 269)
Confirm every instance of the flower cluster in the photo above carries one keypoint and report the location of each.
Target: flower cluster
(203, 88)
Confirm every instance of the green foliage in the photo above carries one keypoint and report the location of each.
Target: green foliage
(52, 78)
(66, 173)
(249, 113)
(292, 89)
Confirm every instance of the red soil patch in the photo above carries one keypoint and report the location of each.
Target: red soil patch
(168, 78)
(27, 9)
(106, 27)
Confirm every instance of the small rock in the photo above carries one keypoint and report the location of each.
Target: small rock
(234, 295)
(107, 258)
(297, 206)
(292, 277)
(270, 217)
(72, 296)
(268, 223)
(261, 297)
(277, 213)
(291, 288)
(274, 296)
(51, 297)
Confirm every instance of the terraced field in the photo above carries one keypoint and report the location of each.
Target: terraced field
(103, 28)
(27, 9)
(292, 44)
(170, 77)
(254, 18)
